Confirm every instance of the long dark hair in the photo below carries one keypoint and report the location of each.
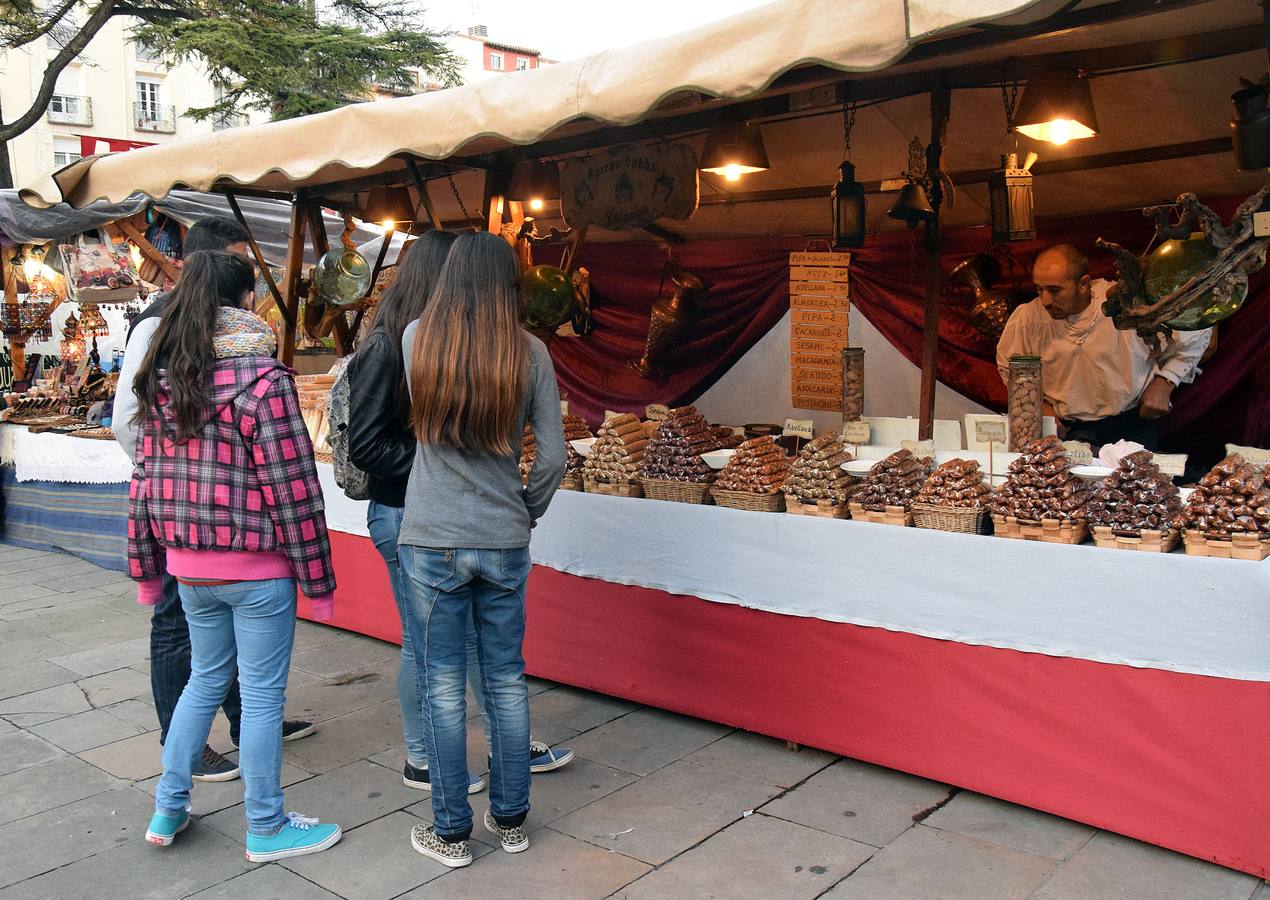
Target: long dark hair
(470, 365)
(182, 345)
(406, 297)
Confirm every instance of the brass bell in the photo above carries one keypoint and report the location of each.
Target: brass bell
(912, 205)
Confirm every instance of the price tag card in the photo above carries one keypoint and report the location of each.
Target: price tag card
(1254, 455)
(564, 407)
(990, 431)
(919, 448)
(857, 432)
(803, 428)
(657, 412)
(1172, 464)
(1081, 453)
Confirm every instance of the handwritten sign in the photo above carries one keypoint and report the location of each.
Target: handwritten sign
(919, 448)
(803, 428)
(1254, 455)
(856, 432)
(990, 431)
(1080, 452)
(1172, 464)
(629, 186)
(820, 305)
(657, 412)
(564, 407)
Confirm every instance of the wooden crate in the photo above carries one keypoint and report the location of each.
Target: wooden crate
(1049, 531)
(892, 515)
(1237, 546)
(824, 509)
(571, 483)
(620, 489)
(1148, 541)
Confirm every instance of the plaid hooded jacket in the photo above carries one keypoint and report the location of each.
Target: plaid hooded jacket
(246, 482)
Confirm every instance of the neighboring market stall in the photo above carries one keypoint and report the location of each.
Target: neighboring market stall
(1124, 689)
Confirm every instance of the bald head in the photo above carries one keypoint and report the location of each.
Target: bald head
(1061, 274)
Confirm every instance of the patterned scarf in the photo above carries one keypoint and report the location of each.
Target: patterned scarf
(242, 333)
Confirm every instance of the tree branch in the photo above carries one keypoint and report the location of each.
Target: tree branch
(100, 16)
(48, 26)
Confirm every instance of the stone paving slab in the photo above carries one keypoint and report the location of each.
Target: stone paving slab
(40, 706)
(1112, 867)
(859, 801)
(344, 654)
(267, 882)
(26, 678)
(87, 730)
(19, 750)
(113, 687)
(350, 737)
(29, 649)
(762, 758)
(1007, 825)
(756, 857)
(647, 740)
(578, 709)
(48, 785)
(555, 866)
(97, 660)
(133, 759)
(928, 864)
(209, 797)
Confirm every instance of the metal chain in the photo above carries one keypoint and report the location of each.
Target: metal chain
(1010, 97)
(848, 123)
(449, 174)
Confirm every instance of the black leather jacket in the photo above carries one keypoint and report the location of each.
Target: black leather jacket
(378, 443)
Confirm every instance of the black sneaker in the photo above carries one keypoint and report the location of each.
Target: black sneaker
(294, 729)
(414, 777)
(211, 766)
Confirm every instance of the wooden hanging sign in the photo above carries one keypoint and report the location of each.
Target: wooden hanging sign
(820, 305)
(629, 186)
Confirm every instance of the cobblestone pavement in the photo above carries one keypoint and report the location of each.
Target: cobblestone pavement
(655, 806)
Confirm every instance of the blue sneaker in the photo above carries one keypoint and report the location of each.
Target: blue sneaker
(298, 836)
(164, 828)
(543, 758)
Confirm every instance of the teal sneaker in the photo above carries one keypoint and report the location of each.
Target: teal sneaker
(298, 836)
(164, 828)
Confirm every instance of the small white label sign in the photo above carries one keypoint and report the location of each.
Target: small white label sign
(657, 412)
(803, 428)
(564, 407)
(1080, 452)
(857, 432)
(1254, 455)
(919, 448)
(609, 414)
(1173, 464)
(990, 431)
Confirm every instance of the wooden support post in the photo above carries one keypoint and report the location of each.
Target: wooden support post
(17, 343)
(147, 249)
(425, 201)
(335, 318)
(295, 265)
(263, 264)
(939, 108)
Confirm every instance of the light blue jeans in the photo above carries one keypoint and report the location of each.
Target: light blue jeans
(384, 524)
(446, 589)
(252, 622)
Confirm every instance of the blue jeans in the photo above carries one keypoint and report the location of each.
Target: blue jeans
(170, 662)
(254, 621)
(384, 524)
(446, 588)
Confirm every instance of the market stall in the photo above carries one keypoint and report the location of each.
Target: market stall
(1123, 689)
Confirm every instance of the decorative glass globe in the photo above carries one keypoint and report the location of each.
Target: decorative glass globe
(547, 297)
(1176, 262)
(341, 277)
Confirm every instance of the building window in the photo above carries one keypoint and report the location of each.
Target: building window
(496, 61)
(65, 153)
(148, 99)
(521, 64)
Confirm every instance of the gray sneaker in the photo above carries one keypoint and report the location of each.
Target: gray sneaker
(455, 854)
(211, 766)
(513, 837)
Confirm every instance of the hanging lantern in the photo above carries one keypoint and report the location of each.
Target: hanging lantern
(1250, 127)
(1010, 199)
(534, 182)
(91, 321)
(734, 149)
(847, 197)
(71, 348)
(1057, 107)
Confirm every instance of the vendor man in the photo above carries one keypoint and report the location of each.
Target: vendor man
(1101, 383)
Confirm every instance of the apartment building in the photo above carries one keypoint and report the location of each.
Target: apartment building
(114, 97)
(480, 57)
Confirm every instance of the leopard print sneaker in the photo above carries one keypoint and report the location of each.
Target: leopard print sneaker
(455, 854)
(513, 837)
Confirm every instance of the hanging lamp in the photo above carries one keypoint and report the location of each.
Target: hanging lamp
(534, 182)
(1057, 107)
(847, 197)
(733, 149)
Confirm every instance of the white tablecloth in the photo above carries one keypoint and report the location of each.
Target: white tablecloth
(59, 457)
(1170, 611)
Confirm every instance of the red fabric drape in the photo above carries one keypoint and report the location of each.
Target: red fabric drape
(748, 281)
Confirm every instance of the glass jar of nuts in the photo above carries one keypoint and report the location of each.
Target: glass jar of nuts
(1025, 398)
(852, 384)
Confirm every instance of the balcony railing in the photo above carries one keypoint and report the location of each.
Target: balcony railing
(69, 109)
(158, 117)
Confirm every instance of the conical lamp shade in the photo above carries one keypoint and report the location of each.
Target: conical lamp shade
(1057, 107)
(388, 204)
(734, 149)
(534, 181)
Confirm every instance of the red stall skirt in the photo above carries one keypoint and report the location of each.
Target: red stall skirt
(1173, 759)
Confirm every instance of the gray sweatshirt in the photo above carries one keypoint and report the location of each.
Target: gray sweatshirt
(460, 499)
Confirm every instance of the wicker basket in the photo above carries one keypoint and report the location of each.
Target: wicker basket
(618, 489)
(1237, 546)
(748, 500)
(961, 519)
(324, 455)
(571, 482)
(676, 491)
(1049, 531)
(1150, 541)
(823, 509)
(892, 515)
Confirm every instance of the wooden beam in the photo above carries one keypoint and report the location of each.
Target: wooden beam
(425, 201)
(665, 234)
(147, 249)
(295, 265)
(940, 101)
(275, 296)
